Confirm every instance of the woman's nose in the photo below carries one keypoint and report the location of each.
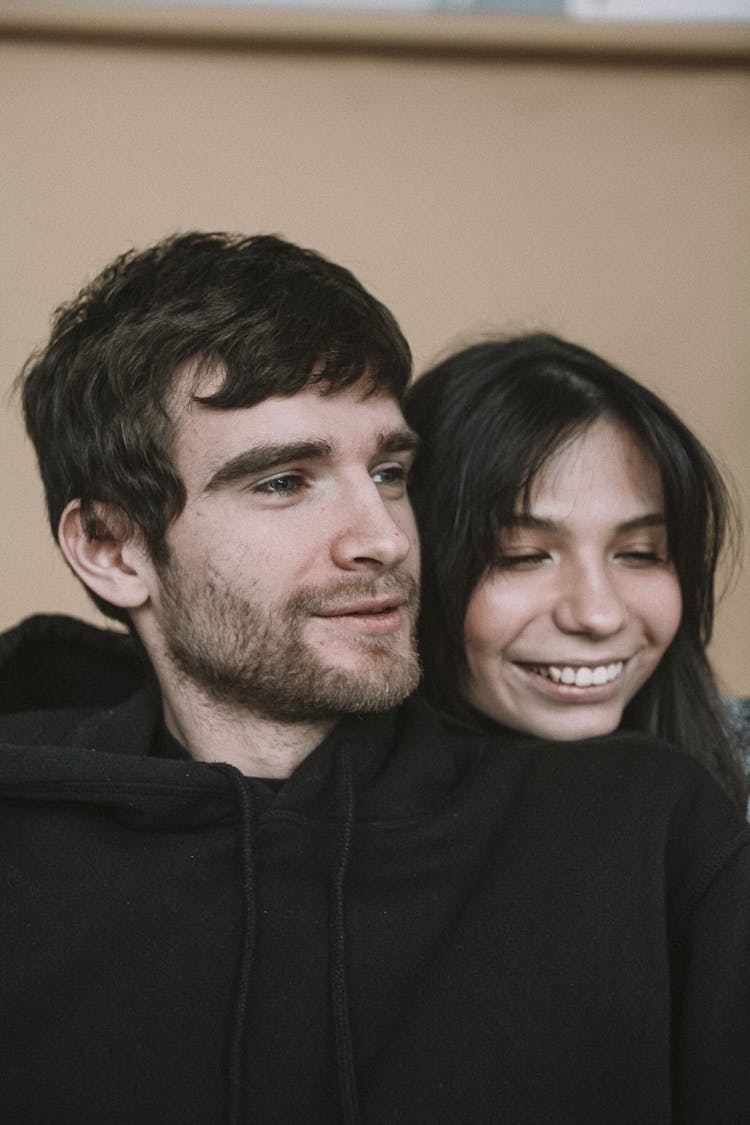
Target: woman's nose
(590, 602)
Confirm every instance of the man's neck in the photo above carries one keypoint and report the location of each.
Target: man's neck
(256, 746)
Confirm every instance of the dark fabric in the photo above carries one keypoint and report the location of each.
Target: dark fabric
(166, 746)
(535, 933)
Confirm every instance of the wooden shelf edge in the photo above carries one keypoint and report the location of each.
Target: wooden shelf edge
(439, 32)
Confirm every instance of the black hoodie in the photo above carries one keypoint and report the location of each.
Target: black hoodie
(420, 927)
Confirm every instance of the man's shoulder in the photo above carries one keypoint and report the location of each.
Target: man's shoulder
(53, 662)
(630, 767)
(622, 754)
(58, 675)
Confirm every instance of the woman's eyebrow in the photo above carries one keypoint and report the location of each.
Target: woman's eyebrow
(263, 458)
(652, 519)
(538, 523)
(526, 522)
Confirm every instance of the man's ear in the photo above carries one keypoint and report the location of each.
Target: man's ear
(112, 564)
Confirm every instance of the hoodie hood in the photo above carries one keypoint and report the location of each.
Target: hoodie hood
(68, 686)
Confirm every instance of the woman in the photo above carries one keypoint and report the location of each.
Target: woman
(571, 527)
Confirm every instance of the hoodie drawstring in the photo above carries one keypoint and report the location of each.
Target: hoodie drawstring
(342, 1031)
(247, 824)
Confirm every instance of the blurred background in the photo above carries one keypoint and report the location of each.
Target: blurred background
(580, 166)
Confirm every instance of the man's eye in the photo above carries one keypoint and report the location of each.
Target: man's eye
(286, 484)
(390, 475)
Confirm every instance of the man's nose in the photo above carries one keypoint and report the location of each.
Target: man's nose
(590, 602)
(368, 535)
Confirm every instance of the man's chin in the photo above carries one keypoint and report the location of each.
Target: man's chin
(372, 680)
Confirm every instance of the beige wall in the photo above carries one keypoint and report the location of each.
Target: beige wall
(604, 198)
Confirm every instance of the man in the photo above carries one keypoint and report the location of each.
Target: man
(240, 883)
(283, 593)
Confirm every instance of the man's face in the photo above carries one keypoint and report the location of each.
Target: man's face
(292, 583)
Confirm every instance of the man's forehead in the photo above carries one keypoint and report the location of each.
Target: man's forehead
(356, 418)
(200, 379)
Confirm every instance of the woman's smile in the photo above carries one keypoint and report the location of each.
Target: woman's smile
(577, 675)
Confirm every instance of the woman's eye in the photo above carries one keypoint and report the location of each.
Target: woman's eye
(643, 558)
(522, 561)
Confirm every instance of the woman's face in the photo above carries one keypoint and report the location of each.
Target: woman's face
(583, 601)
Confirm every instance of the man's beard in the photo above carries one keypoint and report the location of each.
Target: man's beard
(241, 654)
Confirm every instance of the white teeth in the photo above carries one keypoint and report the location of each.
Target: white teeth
(582, 676)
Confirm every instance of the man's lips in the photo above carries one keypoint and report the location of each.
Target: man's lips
(372, 617)
(362, 608)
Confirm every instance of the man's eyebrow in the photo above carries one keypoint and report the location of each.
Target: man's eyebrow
(536, 523)
(398, 441)
(263, 458)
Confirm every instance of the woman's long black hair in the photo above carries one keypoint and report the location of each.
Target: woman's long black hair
(490, 417)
